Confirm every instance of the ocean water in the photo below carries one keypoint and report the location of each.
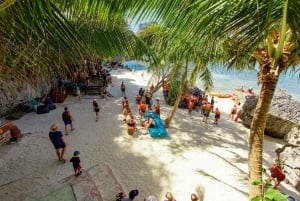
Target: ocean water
(226, 81)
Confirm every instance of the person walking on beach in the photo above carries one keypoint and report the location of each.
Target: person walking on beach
(217, 115)
(75, 160)
(58, 142)
(123, 89)
(68, 119)
(96, 109)
(233, 112)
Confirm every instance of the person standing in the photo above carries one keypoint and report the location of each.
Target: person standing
(123, 89)
(75, 160)
(232, 113)
(157, 107)
(96, 109)
(68, 119)
(58, 142)
(217, 115)
(212, 102)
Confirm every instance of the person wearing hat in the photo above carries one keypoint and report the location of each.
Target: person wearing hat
(75, 160)
(132, 195)
(58, 142)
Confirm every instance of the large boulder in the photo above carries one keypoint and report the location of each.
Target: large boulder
(283, 115)
(288, 156)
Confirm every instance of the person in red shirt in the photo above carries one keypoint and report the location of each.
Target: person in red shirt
(276, 174)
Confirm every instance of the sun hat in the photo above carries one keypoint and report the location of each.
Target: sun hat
(54, 127)
(133, 193)
(76, 153)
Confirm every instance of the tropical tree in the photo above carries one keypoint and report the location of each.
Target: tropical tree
(41, 40)
(266, 32)
(176, 53)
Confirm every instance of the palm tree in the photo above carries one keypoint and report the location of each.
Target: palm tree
(265, 31)
(40, 40)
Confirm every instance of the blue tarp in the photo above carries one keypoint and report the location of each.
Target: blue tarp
(132, 64)
(159, 130)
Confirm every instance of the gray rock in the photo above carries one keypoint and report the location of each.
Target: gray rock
(289, 157)
(284, 114)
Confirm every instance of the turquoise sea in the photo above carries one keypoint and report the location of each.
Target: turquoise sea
(226, 82)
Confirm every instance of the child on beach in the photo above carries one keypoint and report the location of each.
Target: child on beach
(75, 160)
(96, 109)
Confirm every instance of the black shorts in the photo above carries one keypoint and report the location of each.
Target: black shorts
(60, 146)
(97, 110)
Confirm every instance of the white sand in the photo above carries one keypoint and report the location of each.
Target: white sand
(195, 157)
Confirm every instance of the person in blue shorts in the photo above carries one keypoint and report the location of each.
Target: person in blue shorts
(58, 142)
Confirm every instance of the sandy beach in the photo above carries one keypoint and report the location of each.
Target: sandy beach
(207, 159)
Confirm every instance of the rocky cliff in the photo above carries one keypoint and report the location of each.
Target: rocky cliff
(284, 114)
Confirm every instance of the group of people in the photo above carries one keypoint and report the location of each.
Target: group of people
(128, 116)
(59, 143)
(134, 193)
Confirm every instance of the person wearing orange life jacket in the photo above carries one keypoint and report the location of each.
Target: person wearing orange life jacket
(207, 109)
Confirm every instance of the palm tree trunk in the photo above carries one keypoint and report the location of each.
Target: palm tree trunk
(257, 134)
(182, 86)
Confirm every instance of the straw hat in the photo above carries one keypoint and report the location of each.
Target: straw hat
(54, 127)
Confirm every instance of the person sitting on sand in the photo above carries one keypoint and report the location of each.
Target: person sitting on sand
(149, 123)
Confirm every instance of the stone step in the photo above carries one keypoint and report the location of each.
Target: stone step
(105, 181)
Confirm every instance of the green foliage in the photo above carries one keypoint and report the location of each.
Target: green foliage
(270, 194)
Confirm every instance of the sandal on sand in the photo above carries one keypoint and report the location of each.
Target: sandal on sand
(62, 160)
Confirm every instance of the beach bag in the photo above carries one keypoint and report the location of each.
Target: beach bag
(42, 109)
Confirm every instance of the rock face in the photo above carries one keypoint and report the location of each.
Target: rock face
(284, 114)
(289, 157)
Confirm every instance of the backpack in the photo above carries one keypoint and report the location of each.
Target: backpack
(66, 116)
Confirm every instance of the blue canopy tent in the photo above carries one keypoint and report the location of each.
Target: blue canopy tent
(133, 65)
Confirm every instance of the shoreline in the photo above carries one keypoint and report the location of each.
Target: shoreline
(194, 158)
